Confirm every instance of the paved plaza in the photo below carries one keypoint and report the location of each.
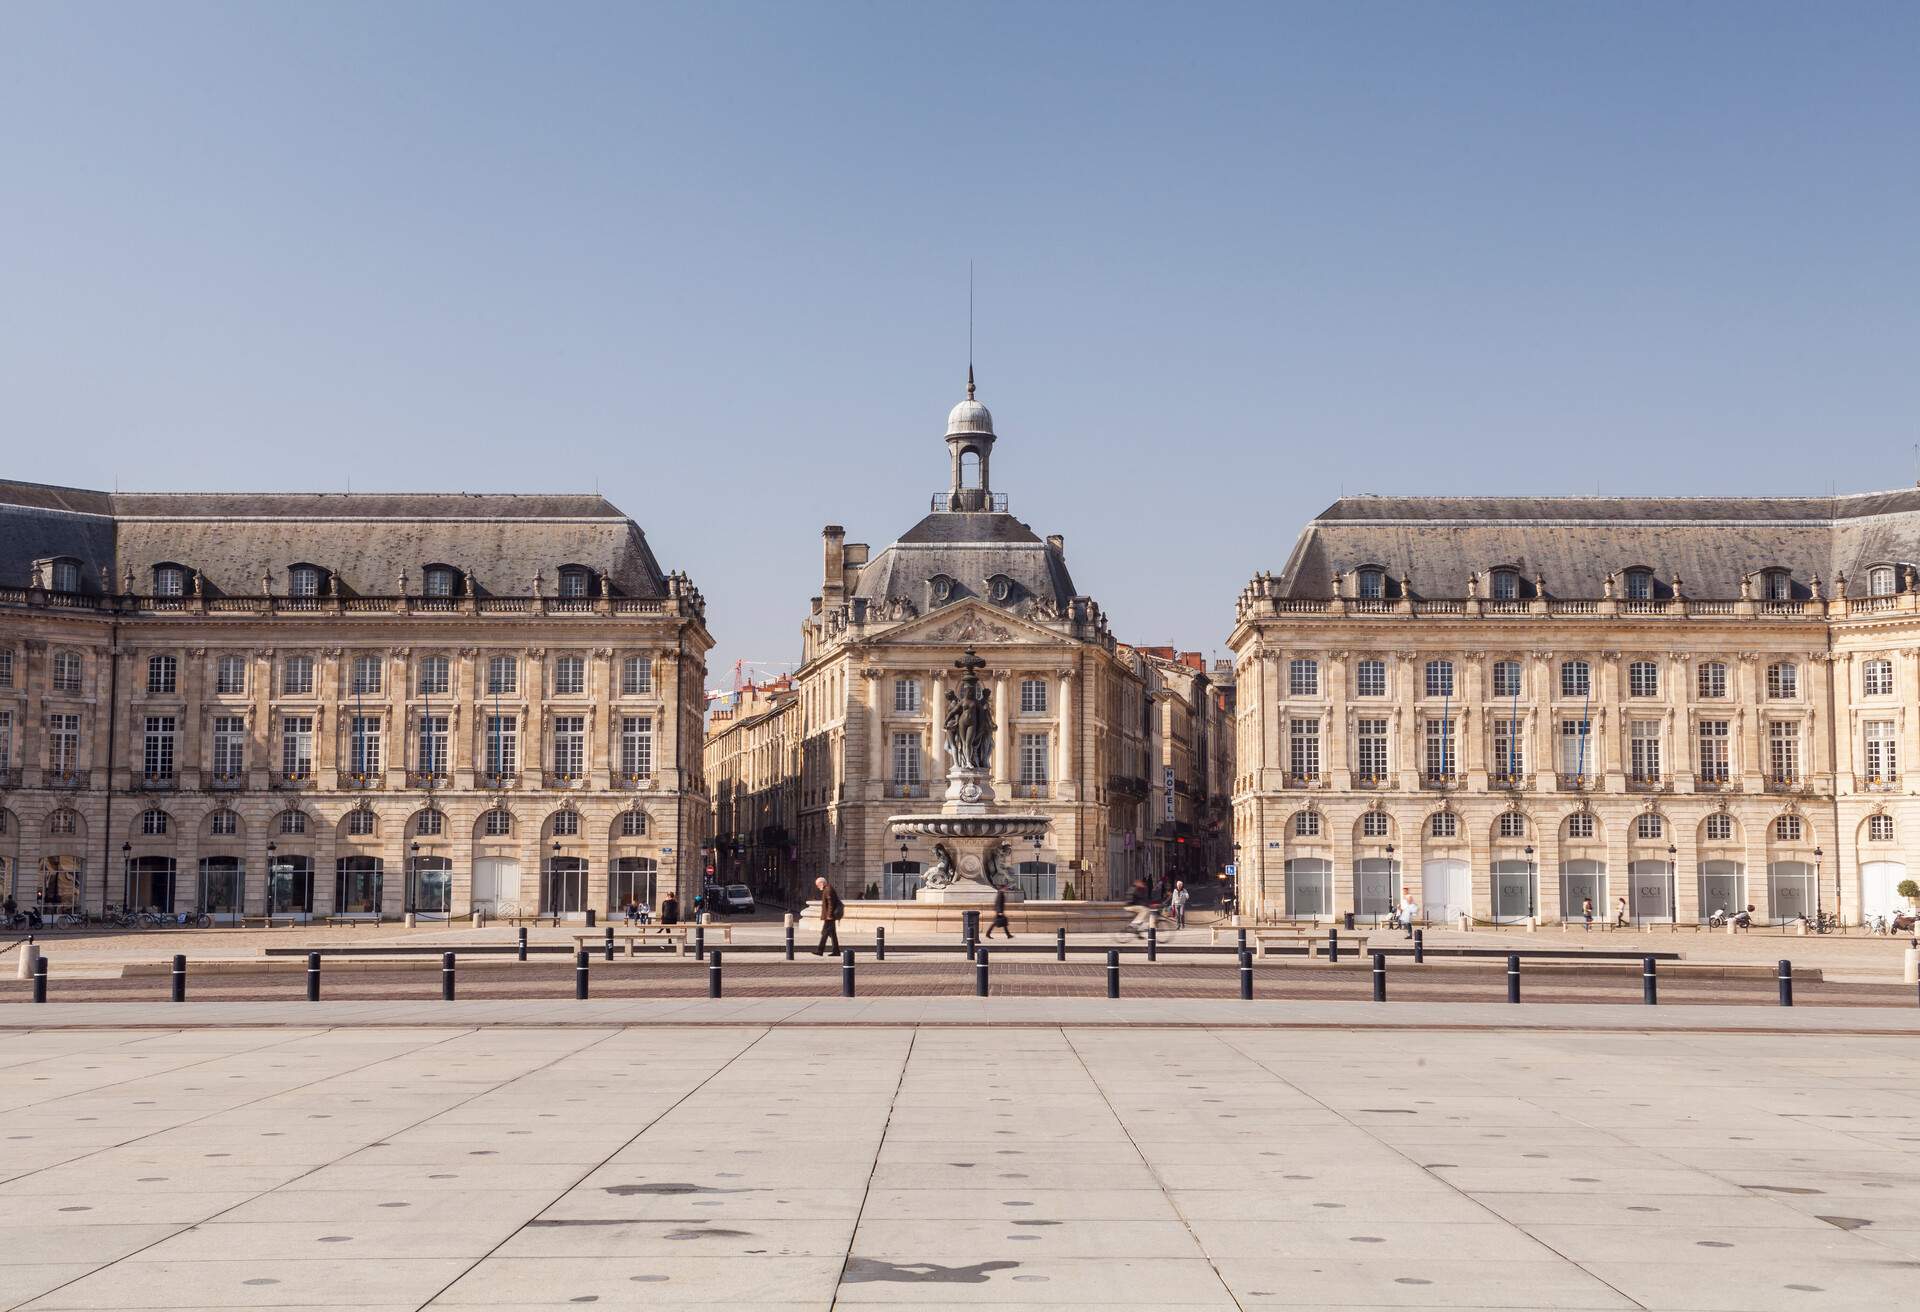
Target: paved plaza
(957, 1152)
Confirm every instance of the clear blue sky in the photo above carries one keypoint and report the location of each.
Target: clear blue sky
(1233, 260)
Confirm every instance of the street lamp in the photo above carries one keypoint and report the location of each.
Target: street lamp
(1533, 887)
(413, 876)
(1391, 880)
(1673, 884)
(1817, 916)
(126, 880)
(553, 875)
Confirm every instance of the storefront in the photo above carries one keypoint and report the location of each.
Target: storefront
(430, 887)
(222, 889)
(149, 884)
(358, 884)
(1723, 889)
(1309, 888)
(1515, 891)
(1376, 887)
(290, 887)
(1650, 892)
(1446, 891)
(1583, 881)
(635, 879)
(563, 887)
(1790, 893)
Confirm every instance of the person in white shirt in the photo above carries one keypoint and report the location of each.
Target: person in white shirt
(1177, 900)
(1408, 910)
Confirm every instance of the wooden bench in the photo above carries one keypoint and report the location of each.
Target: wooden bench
(1259, 936)
(679, 933)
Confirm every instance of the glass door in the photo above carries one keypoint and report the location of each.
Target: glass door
(222, 888)
(290, 887)
(563, 887)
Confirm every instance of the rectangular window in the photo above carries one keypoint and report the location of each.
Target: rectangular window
(1576, 678)
(1883, 752)
(1783, 681)
(570, 675)
(63, 744)
(1033, 696)
(1713, 680)
(435, 675)
(906, 758)
(1370, 678)
(157, 752)
(636, 676)
(1643, 679)
(230, 675)
(1506, 678)
(296, 676)
(6, 667)
(1439, 678)
(433, 744)
(1303, 749)
(1033, 758)
(296, 746)
(1576, 755)
(1303, 678)
(906, 695)
(1713, 750)
(503, 744)
(229, 745)
(366, 674)
(569, 746)
(1509, 748)
(1643, 743)
(503, 674)
(1783, 751)
(636, 746)
(1877, 677)
(364, 745)
(66, 671)
(6, 739)
(162, 673)
(1439, 748)
(1370, 749)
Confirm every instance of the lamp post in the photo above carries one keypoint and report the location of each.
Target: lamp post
(1391, 872)
(126, 877)
(1818, 918)
(1533, 888)
(272, 847)
(553, 888)
(1673, 884)
(413, 876)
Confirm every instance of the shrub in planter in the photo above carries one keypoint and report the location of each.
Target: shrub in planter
(1908, 890)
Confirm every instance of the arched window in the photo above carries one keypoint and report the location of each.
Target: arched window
(566, 824)
(1512, 824)
(1639, 585)
(1882, 581)
(633, 824)
(1649, 825)
(1880, 829)
(304, 581)
(1712, 680)
(1443, 824)
(1370, 584)
(497, 823)
(1719, 828)
(1503, 585)
(1783, 681)
(1306, 824)
(169, 581)
(293, 822)
(1787, 829)
(1580, 825)
(361, 823)
(1373, 825)
(153, 823)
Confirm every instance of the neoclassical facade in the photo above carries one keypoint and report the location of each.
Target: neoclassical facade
(878, 653)
(1512, 706)
(312, 705)
(752, 755)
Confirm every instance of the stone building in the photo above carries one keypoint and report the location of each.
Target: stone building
(878, 654)
(1187, 827)
(1514, 705)
(752, 755)
(343, 704)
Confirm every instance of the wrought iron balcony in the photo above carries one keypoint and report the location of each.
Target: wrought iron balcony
(156, 782)
(1373, 781)
(428, 779)
(1441, 780)
(227, 781)
(67, 779)
(1573, 783)
(1648, 783)
(9, 778)
(1508, 779)
(566, 779)
(291, 779)
(906, 788)
(360, 779)
(1785, 783)
(1030, 788)
(1882, 783)
(632, 781)
(499, 782)
(1295, 779)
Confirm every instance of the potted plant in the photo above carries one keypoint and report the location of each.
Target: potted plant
(1909, 890)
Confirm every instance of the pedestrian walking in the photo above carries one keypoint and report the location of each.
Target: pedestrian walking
(1177, 903)
(669, 916)
(831, 909)
(1586, 912)
(1000, 914)
(1408, 910)
(1620, 913)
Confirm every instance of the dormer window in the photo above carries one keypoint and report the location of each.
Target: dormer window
(1639, 585)
(169, 581)
(1504, 585)
(1776, 585)
(1882, 581)
(303, 581)
(65, 576)
(1371, 584)
(440, 580)
(573, 581)
(941, 588)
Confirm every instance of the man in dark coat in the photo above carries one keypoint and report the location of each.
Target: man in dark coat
(1000, 914)
(831, 909)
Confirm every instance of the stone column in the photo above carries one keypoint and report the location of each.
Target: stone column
(1003, 734)
(936, 705)
(876, 732)
(1068, 727)
(190, 746)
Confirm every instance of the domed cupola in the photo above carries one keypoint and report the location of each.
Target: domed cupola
(970, 434)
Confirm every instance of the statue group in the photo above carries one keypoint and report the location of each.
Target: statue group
(969, 719)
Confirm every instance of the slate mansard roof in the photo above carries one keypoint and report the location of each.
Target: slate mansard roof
(368, 540)
(1573, 543)
(971, 549)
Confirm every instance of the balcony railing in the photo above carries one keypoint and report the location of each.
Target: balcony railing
(428, 779)
(1785, 783)
(361, 779)
(9, 778)
(629, 780)
(969, 499)
(1647, 783)
(499, 782)
(1882, 783)
(1372, 780)
(1439, 779)
(227, 780)
(1573, 783)
(1300, 779)
(156, 783)
(1028, 788)
(285, 779)
(566, 779)
(1508, 779)
(906, 788)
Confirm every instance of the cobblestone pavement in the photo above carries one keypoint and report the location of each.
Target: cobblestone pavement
(758, 1167)
(767, 975)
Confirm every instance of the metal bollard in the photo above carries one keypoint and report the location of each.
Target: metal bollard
(446, 977)
(1243, 942)
(1649, 986)
(1379, 977)
(789, 942)
(179, 977)
(1786, 983)
(1333, 946)
(980, 974)
(1060, 943)
(879, 942)
(313, 977)
(1513, 977)
(40, 980)
(846, 973)
(713, 974)
(1113, 972)
(609, 942)
(700, 942)
(1153, 943)
(1349, 920)
(580, 975)
(971, 933)
(523, 942)
(1246, 975)
(1419, 946)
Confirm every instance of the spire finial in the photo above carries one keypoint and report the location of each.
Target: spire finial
(969, 382)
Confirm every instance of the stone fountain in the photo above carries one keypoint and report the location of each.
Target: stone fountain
(972, 837)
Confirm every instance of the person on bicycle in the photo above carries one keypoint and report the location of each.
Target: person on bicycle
(1142, 903)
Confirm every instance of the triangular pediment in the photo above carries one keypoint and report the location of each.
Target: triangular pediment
(971, 623)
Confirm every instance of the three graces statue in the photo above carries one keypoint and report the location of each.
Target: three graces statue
(969, 720)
